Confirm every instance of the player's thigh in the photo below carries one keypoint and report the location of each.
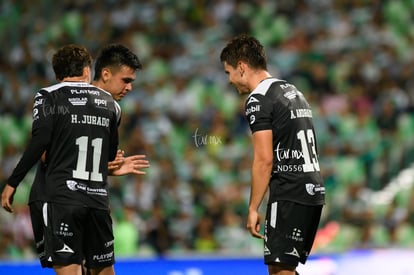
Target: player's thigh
(109, 270)
(73, 269)
(279, 268)
(99, 240)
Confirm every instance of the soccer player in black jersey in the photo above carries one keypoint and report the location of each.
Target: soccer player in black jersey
(285, 158)
(75, 123)
(115, 70)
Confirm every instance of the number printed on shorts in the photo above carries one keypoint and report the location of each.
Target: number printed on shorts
(307, 141)
(80, 171)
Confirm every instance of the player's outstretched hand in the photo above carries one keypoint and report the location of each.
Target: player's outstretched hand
(132, 165)
(117, 162)
(7, 198)
(253, 224)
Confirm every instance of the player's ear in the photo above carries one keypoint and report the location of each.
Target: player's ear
(241, 66)
(105, 74)
(87, 74)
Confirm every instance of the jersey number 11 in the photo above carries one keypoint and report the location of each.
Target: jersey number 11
(80, 171)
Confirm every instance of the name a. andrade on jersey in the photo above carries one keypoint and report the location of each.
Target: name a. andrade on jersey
(298, 113)
(90, 120)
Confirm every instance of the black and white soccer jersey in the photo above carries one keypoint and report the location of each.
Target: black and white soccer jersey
(37, 192)
(77, 126)
(278, 106)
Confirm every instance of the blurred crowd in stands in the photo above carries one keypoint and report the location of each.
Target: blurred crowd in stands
(354, 60)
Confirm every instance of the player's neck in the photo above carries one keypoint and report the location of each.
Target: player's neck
(257, 77)
(85, 77)
(97, 83)
(75, 79)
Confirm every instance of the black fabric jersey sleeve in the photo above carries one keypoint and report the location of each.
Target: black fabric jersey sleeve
(40, 138)
(259, 113)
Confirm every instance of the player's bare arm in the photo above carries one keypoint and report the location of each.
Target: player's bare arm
(261, 171)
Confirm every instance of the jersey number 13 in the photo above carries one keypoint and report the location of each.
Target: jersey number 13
(307, 141)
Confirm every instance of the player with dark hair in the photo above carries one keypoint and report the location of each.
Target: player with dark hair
(115, 70)
(75, 125)
(285, 158)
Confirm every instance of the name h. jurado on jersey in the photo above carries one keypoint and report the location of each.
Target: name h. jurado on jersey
(91, 120)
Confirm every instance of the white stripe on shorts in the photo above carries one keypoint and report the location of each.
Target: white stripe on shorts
(273, 215)
(44, 211)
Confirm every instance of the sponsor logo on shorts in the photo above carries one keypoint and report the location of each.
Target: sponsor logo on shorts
(65, 249)
(108, 244)
(294, 252)
(103, 257)
(296, 235)
(64, 230)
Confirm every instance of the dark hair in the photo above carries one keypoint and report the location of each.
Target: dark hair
(247, 49)
(70, 60)
(115, 56)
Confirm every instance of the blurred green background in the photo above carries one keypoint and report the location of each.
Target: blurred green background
(353, 60)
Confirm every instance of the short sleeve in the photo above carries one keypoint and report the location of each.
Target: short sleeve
(258, 112)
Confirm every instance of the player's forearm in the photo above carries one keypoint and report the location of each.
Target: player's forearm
(261, 171)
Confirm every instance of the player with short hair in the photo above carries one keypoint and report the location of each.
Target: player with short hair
(285, 157)
(115, 70)
(75, 123)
